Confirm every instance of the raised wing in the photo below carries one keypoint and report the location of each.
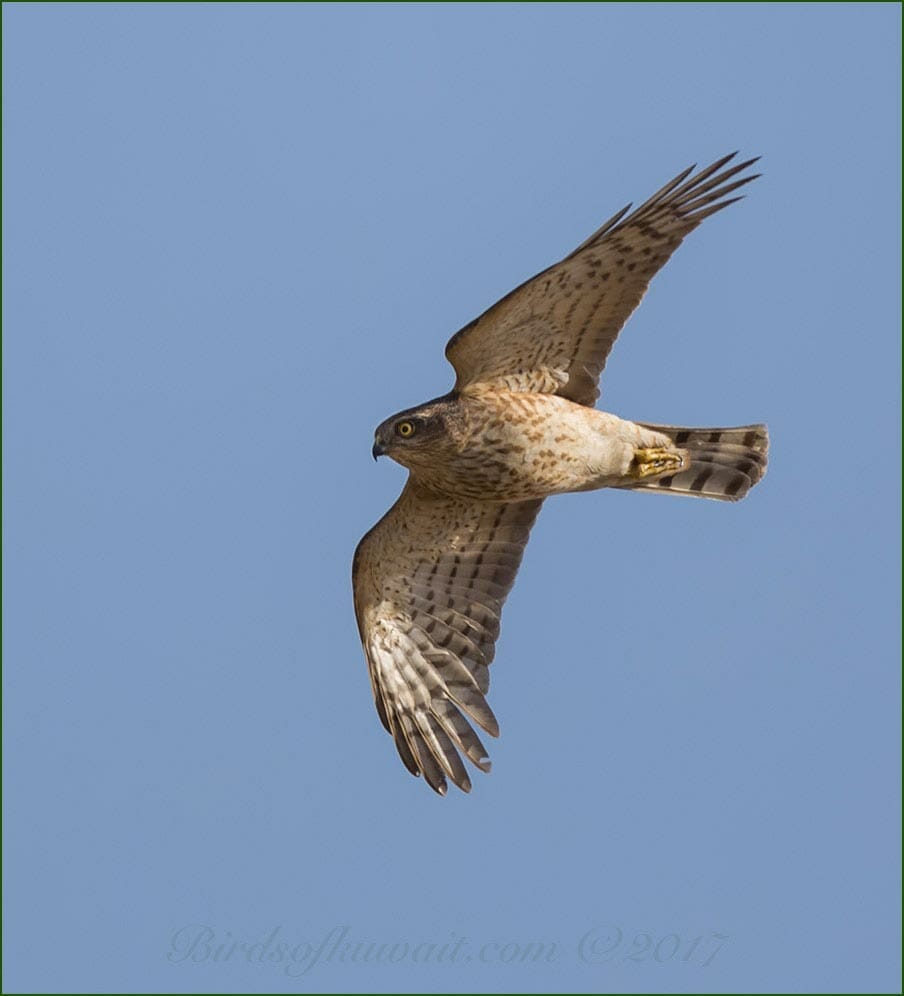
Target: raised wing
(430, 580)
(553, 333)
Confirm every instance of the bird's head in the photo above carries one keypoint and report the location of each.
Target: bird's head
(417, 437)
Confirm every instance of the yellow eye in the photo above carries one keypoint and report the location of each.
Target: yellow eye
(405, 429)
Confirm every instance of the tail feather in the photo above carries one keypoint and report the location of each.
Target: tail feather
(724, 463)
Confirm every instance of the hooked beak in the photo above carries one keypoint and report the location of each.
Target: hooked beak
(378, 450)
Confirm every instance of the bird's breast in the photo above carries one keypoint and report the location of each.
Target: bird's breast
(515, 446)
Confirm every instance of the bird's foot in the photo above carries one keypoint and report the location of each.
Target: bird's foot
(656, 460)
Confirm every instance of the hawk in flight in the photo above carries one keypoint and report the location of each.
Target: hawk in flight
(520, 425)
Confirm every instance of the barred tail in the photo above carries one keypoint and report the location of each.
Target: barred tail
(725, 463)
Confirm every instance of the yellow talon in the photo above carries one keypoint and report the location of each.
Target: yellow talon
(657, 460)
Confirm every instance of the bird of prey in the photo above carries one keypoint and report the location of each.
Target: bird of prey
(431, 576)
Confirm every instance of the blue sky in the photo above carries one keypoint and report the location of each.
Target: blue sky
(236, 238)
